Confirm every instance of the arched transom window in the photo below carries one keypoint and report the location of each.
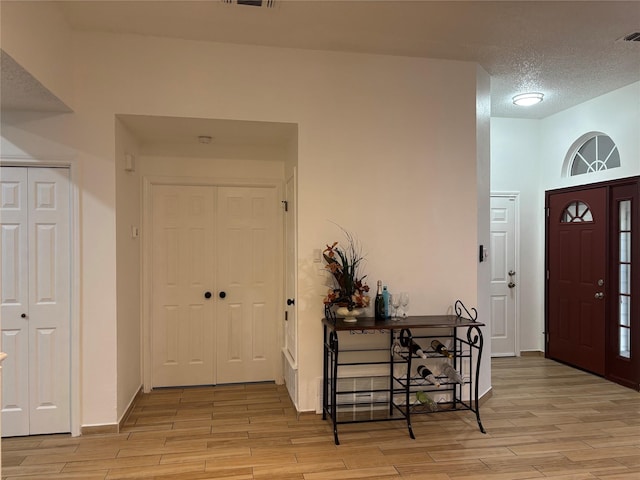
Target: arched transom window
(595, 154)
(576, 212)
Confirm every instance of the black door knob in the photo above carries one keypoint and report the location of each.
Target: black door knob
(24, 315)
(207, 295)
(291, 301)
(222, 294)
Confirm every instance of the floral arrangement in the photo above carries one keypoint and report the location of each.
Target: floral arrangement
(344, 264)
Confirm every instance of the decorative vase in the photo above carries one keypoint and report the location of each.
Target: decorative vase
(349, 316)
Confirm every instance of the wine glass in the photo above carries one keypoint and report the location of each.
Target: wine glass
(404, 301)
(394, 298)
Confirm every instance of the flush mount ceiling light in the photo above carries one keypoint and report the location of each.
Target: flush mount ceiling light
(528, 99)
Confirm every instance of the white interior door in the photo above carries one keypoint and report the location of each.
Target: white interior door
(247, 272)
(208, 239)
(183, 272)
(35, 300)
(504, 284)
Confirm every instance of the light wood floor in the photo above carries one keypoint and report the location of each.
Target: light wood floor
(544, 420)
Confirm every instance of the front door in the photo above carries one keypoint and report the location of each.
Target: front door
(576, 272)
(35, 246)
(214, 284)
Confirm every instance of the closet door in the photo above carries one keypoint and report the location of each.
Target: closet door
(35, 300)
(215, 284)
(15, 301)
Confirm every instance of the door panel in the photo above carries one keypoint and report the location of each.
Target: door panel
(15, 302)
(577, 228)
(49, 284)
(182, 263)
(246, 346)
(502, 260)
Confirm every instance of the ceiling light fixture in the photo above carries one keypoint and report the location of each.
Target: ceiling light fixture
(528, 99)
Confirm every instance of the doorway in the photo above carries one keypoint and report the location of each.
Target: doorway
(504, 263)
(36, 300)
(591, 301)
(215, 278)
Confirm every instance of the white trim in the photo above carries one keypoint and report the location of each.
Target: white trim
(516, 198)
(75, 189)
(148, 181)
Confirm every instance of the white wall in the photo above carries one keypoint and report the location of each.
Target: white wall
(483, 154)
(515, 167)
(616, 114)
(365, 151)
(386, 148)
(128, 255)
(527, 156)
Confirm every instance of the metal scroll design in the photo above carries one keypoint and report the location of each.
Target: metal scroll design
(459, 307)
(474, 337)
(329, 313)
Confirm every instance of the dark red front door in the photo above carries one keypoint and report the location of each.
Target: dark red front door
(576, 263)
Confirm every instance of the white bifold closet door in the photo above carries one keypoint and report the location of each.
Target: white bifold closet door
(35, 246)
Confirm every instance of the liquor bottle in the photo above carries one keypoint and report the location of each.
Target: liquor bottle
(385, 297)
(451, 373)
(379, 303)
(440, 348)
(428, 375)
(416, 349)
(425, 399)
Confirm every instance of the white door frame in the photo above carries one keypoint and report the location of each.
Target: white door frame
(75, 188)
(516, 239)
(146, 308)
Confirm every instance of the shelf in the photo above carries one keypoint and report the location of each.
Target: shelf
(425, 321)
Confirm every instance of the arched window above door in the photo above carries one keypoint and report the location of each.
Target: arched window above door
(594, 153)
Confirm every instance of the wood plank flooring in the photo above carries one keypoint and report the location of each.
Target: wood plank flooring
(544, 420)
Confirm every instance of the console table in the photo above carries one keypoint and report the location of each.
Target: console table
(401, 392)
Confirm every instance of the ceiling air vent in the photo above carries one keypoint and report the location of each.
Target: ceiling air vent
(632, 37)
(252, 3)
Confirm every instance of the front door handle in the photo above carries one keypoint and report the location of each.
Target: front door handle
(511, 285)
(291, 301)
(599, 296)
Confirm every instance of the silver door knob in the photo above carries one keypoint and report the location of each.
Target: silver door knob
(511, 285)
(599, 296)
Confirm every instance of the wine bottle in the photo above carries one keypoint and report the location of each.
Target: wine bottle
(451, 373)
(425, 399)
(385, 297)
(416, 349)
(428, 375)
(440, 348)
(379, 303)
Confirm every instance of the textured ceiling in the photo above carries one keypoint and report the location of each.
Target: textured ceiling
(568, 50)
(21, 91)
